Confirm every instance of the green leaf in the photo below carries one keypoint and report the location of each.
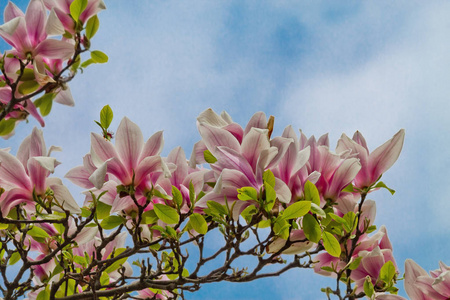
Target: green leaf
(341, 221)
(77, 7)
(7, 126)
(45, 103)
(247, 193)
(371, 228)
(3, 226)
(87, 62)
(317, 210)
(149, 217)
(99, 57)
(15, 257)
(269, 178)
(311, 228)
(349, 188)
(264, 224)
(198, 223)
(177, 196)
(381, 184)
(44, 294)
(281, 228)
(209, 157)
(191, 193)
(331, 244)
(106, 116)
(368, 287)
(111, 222)
(103, 210)
(350, 217)
(27, 87)
(117, 263)
(311, 193)
(271, 195)
(296, 210)
(354, 263)
(387, 272)
(92, 26)
(37, 232)
(248, 213)
(167, 214)
(28, 74)
(219, 208)
(104, 279)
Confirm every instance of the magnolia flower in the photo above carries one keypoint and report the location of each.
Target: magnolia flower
(28, 32)
(62, 10)
(421, 286)
(373, 165)
(26, 176)
(374, 250)
(241, 163)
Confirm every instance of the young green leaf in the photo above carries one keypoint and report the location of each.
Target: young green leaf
(209, 157)
(166, 213)
(111, 222)
(297, 210)
(317, 210)
(99, 57)
(87, 62)
(387, 272)
(15, 257)
(198, 223)
(106, 116)
(269, 178)
(331, 244)
(37, 232)
(311, 193)
(311, 228)
(381, 184)
(177, 196)
(76, 8)
(368, 287)
(27, 87)
(7, 126)
(149, 217)
(92, 26)
(247, 193)
(45, 103)
(217, 207)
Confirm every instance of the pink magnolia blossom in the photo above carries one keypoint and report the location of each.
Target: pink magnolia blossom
(240, 163)
(336, 171)
(373, 165)
(421, 286)
(62, 10)
(374, 250)
(26, 176)
(28, 32)
(128, 162)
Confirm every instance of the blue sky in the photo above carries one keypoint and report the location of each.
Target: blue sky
(320, 66)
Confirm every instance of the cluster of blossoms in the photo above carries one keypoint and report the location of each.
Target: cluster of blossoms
(40, 64)
(312, 200)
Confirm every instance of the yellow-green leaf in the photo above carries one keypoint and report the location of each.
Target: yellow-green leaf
(198, 223)
(297, 210)
(331, 244)
(166, 213)
(99, 57)
(106, 116)
(77, 7)
(92, 26)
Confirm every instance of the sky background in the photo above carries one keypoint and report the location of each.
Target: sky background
(372, 66)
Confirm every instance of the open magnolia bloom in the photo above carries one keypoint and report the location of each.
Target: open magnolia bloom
(419, 285)
(374, 164)
(25, 178)
(28, 33)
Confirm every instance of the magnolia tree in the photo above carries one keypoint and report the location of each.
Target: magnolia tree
(144, 229)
